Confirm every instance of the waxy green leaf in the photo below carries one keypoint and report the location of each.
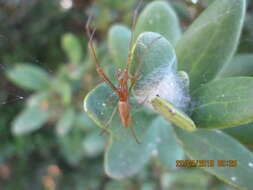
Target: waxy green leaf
(152, 52)
(29, 76)
(125, 157)
(211, 40)
(38, 99)
(117, 185)
(72, 48)
(29, 120)
(65, 122)
(71, 145)
(215, 145)
(120, 162)
(118, 41)
(186, 179)
(154, 66)
(93, 144)
(242, 133)
(101, 103)
(168, 150)
(223, 103)
(64, 89)
(241, 65)
(159, 17)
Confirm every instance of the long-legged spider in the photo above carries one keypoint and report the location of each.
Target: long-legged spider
(122, 76)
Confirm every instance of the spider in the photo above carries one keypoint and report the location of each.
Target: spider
(122, 76)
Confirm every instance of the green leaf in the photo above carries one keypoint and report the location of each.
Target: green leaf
(242, 133)
(241, 65)
(83, 121)
(207, 2)
(223, 103)
(118, 40)
(124, 157)
(149, 185)
(182, 10)
(93, 144)
(65, 122)
(29, 120)
(29, 76)
(168, 149)
(117, 185)
(215, 145)
(188, 179)
(211, 40)
(151, 53)
(159, 17)
(72, 48)
(100, 104)
(38, 99)
(172, 114)
(63, 88)
(75, 71)
(118, 4)
(71, 146)
(154, 63)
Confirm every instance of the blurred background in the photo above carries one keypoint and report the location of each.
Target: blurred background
(45, 72)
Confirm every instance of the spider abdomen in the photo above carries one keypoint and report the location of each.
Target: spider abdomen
(123, 107)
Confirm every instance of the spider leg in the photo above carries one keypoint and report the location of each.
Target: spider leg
(109, 121)
(139, 104)
(132, 33)
(134, 80)
(99, 68)
(134, 135)
(136, 76)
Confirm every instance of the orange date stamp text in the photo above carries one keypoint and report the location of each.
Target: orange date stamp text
(206, 163)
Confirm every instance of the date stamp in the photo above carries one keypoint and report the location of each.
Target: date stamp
(206, 163)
